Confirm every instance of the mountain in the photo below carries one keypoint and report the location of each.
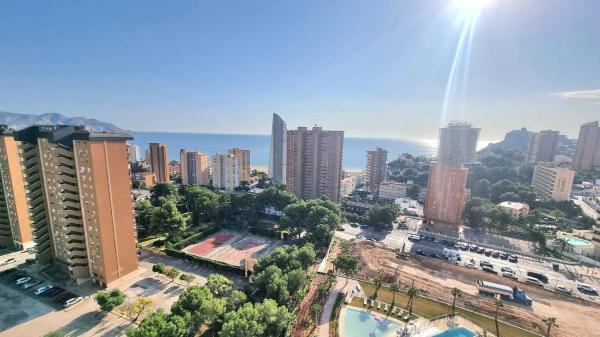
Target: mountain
(19, 121)
(515, 139)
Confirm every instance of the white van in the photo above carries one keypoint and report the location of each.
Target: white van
(72, 301)
(534, 281)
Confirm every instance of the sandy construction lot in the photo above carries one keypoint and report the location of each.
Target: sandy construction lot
(435, 278)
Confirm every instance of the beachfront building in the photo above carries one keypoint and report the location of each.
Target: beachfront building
(278, 150)
(159, 162)
(134, 153)
(243, 157)
(314, 163)
(195, 168)
(550, 182)
(376, 169)
(78, 193)
(224, 170)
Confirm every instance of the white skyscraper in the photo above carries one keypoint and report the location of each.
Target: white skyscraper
(277, 155)
(134, 153)
(224, 170)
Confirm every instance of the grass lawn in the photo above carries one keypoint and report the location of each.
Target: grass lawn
(358, 302)
(429, 308)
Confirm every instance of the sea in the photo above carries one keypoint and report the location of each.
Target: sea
(354, 156)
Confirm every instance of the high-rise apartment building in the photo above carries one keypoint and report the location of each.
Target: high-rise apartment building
(458, 143)
(134, 153)
(195, 168)
(376, 168)
(159, 162)
(15, 227)
(78, 190)
(587, 155)
(542, 146)
(277, 154)
(224, 170)
(447, 194)
(551, 182)
(243, 157)
(314, 163)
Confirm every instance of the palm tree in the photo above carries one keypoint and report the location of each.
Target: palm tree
(378, 281)
(550, 322)
(455, 293)
(315, 309)
(498, 305)
(412, 293)
(394, 287)
(563, 243)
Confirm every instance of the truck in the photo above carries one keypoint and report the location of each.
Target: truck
(505, 292)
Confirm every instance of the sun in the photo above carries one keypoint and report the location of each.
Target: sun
(470, 7)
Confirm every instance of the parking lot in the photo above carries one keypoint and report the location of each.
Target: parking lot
(24, 314)
(567, 276)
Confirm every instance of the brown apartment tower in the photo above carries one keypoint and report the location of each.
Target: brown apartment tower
(159, 162)
(314, 163)
(446, 194)
(78, 192)
(15, 228)
(376, 168)
(587, 155)
(542, 146)
(243, 161)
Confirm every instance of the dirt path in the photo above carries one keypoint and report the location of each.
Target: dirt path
(435, 278)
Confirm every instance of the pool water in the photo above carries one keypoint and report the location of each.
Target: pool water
(575, 241)
(456, 332)
(359, 323)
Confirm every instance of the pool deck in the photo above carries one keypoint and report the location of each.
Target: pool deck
(343, 313)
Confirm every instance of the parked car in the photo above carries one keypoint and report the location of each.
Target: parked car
(507, 269)
(72, 301)
(503, 256)
(484, 263)
(23, 280)
(53, 292)
(7, 262)
(513, 259)
(488, 269)
(534, 281)
(43, 289)
(496, 255)
(510, 275)
(470, 265)
(563, 289)
(30, 284)
(587, 289)
(488, 252)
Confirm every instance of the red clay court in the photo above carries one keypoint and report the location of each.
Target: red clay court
(232, 247)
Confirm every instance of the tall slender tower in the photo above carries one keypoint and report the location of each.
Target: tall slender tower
(314, 163)
(458, 143)
(376, 168)
(587, 155)
(159, 162)
(78, 191)
(277, 155)
(195, 168)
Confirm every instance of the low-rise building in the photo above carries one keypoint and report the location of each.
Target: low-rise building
(515, 209)
(347, 185)
(147, 178)
(550, 182)
(390, 190)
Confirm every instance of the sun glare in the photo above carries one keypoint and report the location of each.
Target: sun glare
(471, 7)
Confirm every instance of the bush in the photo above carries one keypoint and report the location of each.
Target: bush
(159, 268)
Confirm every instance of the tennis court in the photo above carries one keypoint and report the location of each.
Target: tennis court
(232, 247)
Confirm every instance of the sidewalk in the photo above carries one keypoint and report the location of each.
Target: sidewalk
(340, 287)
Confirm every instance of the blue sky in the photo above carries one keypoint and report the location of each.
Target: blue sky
(371, 68)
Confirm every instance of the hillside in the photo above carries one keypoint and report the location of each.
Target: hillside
(20, 121)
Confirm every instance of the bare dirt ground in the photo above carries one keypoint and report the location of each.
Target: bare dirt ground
(304, 324)
(436, 278)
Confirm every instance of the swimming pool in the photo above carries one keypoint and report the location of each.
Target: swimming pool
(575, 241)
(456, 332)
(360, 323)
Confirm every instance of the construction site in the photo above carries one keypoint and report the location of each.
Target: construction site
(435, 279)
